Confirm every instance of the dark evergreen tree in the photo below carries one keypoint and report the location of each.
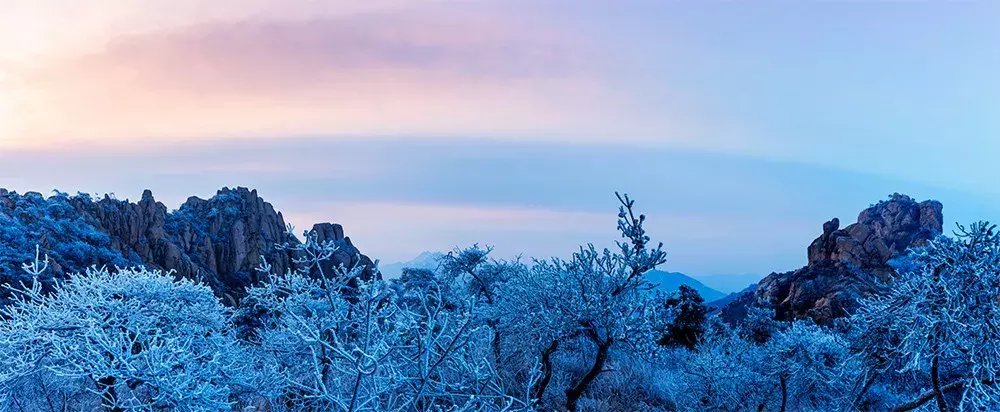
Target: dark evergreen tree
(688, 325)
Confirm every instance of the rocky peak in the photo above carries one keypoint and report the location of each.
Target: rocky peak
(328, 232)
(346, 254)
(219, 240)
(882, 232)
(822, 249)
(846, 264)
(228, 234)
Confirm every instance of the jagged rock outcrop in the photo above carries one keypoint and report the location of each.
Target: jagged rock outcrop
(219, 241)
(346, 253)
(845, 264)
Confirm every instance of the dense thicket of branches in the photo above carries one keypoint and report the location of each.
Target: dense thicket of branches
(479, 334)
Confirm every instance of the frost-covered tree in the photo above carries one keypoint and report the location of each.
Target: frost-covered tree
(813, 368)
(129, 339)
(801, 367)
(449, 353)
(334, 342)
(324, 336)
(587, 305)
(939, 320)
(481, 278)
(724, 374)
(324, 351)
(70, 237)
(760, 324)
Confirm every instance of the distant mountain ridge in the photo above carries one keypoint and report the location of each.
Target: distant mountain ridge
(671, 281)
(730, 283)
(425, 260)
(720, 303)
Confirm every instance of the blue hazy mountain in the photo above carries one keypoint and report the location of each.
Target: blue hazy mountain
(671, 281)
(718, 303)
(425, 260)
(730, 283)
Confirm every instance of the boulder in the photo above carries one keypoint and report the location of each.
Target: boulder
(846, 264)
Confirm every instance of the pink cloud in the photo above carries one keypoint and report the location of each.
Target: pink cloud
(438, 71)
(253, 55)
(454, 71)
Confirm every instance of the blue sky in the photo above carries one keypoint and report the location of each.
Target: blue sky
(740, 127)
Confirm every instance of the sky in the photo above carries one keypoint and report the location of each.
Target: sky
(740, 127)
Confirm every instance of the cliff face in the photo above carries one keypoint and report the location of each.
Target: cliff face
(218, 240)
(845, 264)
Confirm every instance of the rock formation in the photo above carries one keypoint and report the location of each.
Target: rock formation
(845, 264)
(219, 240)
(346, 253)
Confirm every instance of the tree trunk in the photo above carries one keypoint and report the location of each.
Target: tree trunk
(109, 397)
(936, 348)
(495, 343)
(864, 389)
(354, 393)
(546, 360)
(936, 382)
(784, 393)
(573, 394)
(926, 397)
